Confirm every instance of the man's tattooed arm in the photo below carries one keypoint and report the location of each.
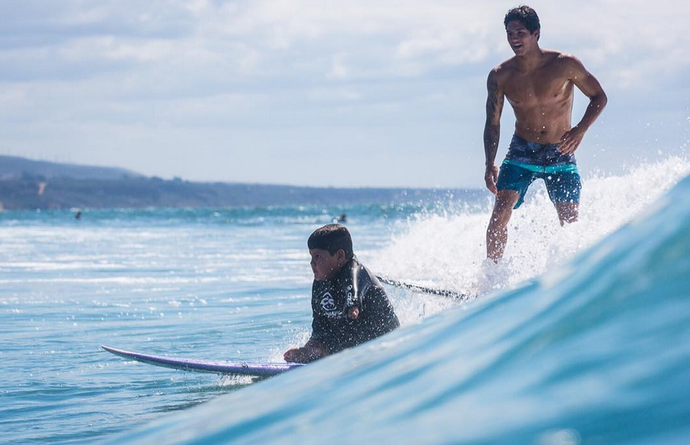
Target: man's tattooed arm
(492, 128)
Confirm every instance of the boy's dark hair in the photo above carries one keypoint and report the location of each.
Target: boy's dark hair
(332, 238)
(525, 15)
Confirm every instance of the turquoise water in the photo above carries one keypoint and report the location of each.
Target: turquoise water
(225, 284)
(579, 336)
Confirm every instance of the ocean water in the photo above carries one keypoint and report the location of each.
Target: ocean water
(580, 336)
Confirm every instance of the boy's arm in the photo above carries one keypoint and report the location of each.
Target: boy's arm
(313, 349)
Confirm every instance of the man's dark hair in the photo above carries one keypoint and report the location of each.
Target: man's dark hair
(525, 15)
(332, 238)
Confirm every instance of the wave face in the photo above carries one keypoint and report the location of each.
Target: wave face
(593, 351)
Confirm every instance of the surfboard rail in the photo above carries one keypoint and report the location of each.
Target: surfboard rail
(208, 366)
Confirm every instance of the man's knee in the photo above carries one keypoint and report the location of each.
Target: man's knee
(503, 208)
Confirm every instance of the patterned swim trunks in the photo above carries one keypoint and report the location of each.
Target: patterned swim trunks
(527, 161)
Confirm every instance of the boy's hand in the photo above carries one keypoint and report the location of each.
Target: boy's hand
(293, 355)
(311, 351)
(353, 313)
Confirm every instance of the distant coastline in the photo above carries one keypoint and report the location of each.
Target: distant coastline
(26, 185)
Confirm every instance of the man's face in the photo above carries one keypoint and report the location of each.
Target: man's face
(520, 39)
(323, 264)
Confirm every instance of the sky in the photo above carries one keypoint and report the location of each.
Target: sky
(344, 93)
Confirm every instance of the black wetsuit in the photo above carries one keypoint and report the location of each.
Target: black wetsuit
(352, 286)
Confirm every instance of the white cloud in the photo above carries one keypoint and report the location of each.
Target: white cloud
(414, 68)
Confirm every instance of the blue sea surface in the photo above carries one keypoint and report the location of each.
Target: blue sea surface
(229, 284)
(579, 337)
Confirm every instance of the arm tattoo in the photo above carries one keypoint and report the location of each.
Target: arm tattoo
(492, 129)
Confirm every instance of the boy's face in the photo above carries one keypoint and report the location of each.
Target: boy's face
(324, 265)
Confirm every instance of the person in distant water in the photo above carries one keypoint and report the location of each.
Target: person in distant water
(342, 218)
(538, 83)
(349, 306)
(77, 215)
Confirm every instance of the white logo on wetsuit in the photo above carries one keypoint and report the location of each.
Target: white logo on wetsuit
(350, 301)
(328, 305)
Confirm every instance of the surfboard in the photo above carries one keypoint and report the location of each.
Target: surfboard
(210, 366)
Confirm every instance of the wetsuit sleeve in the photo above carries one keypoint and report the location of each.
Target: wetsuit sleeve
(322, 333)
(319, 331)
(321, 327)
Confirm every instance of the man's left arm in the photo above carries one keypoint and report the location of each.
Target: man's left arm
(590, 87)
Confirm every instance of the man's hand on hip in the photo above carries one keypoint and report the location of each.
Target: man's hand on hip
(571, 140)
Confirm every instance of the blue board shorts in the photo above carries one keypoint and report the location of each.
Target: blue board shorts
(527, 161)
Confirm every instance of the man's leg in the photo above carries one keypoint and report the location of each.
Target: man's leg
(497, 232)
(568, 212)
(564, 191)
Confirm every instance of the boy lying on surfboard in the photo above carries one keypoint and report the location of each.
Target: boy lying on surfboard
(348, 303)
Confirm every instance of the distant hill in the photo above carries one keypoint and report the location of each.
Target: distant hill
(12, 167)
(26, 184)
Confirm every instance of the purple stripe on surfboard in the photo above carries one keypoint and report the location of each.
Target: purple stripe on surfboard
(213, 366)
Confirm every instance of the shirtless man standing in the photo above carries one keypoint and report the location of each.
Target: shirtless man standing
(539, 86)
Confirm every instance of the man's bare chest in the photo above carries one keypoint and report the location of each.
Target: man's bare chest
(537, 89)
